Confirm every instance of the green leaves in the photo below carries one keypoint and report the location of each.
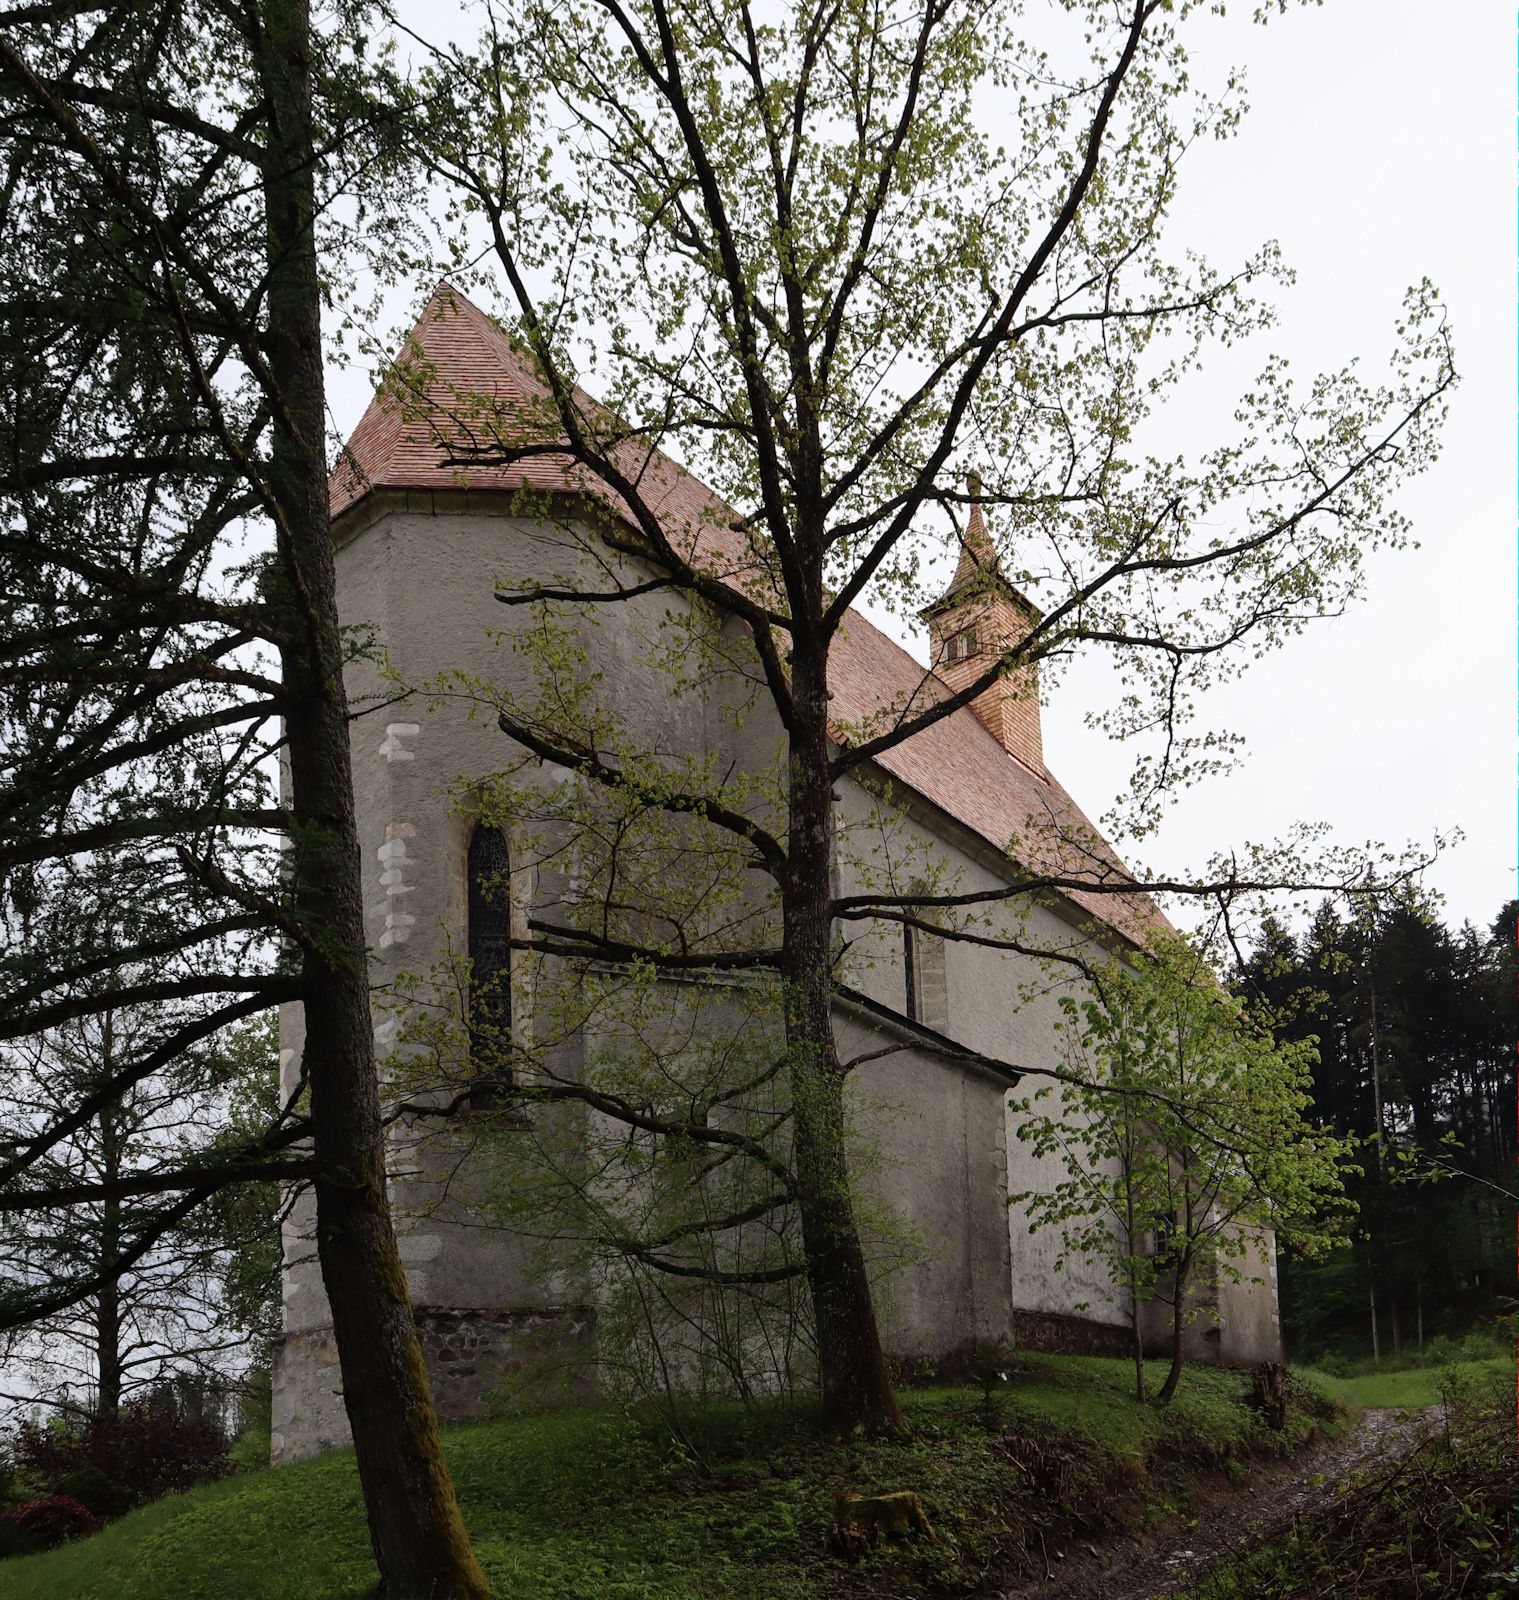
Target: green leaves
(1180, 1114)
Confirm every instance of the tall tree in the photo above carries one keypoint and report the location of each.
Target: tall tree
(792, 249)
(1411, 1025)
(172, 174)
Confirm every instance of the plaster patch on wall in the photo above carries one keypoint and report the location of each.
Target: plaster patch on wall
(394, 749)
(419, 1246)
(394, 862)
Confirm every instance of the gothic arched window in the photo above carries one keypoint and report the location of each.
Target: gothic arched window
(489, 933)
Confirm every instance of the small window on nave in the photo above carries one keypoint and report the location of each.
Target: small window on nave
(924, 977)
(490, 952)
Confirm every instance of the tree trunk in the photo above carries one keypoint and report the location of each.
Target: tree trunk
(1376, 1084)
(855, 1384)
(418, 1535)
(108, 1349)
(108, 1300)
(1139, 1343)
(1178, 1329)
(1371, 1289)
(1130, 1236)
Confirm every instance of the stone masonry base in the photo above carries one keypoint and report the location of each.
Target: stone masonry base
(1068, 1335)
(477, 1360)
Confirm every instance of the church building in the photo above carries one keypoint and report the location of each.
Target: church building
(950, 1027)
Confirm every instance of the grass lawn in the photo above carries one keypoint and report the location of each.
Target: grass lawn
(599, 1502)
(1409, 1390)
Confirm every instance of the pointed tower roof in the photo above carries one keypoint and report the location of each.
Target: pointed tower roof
(979, 569)
(978, 554)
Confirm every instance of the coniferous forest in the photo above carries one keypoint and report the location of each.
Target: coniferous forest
(1415, 1024)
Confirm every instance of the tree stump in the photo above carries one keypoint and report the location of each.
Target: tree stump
(1268, 1393)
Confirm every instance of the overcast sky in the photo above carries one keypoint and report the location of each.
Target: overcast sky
(1378, 150)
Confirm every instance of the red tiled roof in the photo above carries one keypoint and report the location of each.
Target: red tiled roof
(459, 370)
(469, 384)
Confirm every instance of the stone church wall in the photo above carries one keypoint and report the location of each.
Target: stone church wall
(938, 1139)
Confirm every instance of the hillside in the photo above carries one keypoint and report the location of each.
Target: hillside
(608, 1503)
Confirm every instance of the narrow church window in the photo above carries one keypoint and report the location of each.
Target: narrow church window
(1162, 1237)
(923, 970)
(490, 931)
(910, 969)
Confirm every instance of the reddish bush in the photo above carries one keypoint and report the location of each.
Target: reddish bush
(114, 1463)
(54, 1519)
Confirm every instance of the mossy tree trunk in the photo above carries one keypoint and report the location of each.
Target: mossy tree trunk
(855, 1384)
(417, 1532)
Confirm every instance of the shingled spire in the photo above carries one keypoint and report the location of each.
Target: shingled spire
(975, 620)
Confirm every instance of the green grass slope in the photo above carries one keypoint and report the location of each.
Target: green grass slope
(600, 1502)
(1412, 1388)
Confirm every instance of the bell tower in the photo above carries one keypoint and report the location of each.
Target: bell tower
(976, 620)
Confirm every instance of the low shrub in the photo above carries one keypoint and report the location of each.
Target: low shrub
(110, 1464)
(1310, 1398)
(51, 1520)
(98, 1490)
(1485, 1340)
(1489, 1340)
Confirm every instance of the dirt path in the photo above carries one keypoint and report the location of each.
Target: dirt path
(1229, 1518)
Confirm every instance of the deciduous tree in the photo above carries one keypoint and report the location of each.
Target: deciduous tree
(1192, 1149)
(797, 249)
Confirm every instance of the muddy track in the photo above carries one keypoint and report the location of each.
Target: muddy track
(1230, 1518)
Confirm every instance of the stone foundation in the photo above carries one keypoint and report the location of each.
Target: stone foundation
(477, 1361)
(306, 1413)
(484, 1360)
(1068, 1335)
(1203, 1340)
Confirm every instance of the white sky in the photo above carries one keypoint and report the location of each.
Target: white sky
(1378, 150)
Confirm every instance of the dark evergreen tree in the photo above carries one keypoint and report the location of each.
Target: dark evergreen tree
(1416, 1029)
(175, 175)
